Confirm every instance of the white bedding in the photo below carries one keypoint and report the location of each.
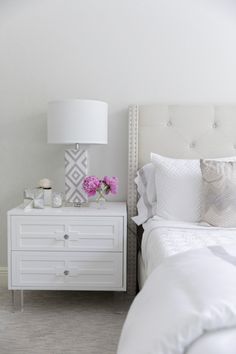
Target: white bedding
(190, 294)
(180, 285)
(163, 238)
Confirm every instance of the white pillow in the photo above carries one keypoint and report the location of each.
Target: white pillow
(178, 188)
(145, 182)
(146, 185)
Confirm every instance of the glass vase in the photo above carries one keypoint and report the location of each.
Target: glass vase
(101, 199)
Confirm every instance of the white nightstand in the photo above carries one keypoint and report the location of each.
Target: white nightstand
(68, 248)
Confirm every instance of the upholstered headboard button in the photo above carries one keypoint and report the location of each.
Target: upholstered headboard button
(215, 125)
(192, 145)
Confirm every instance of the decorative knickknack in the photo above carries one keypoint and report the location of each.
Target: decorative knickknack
(57, 199)
(42, 196)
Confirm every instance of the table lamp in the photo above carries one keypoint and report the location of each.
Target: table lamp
(76, 121)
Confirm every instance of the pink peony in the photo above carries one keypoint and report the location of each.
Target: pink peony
(111, 184)
(91, 184)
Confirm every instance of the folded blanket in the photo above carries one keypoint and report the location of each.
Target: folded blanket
(186, 296)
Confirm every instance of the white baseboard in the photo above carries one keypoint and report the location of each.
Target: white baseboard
(3, 277)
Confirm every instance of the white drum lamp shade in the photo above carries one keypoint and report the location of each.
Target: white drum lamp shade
(77, 122)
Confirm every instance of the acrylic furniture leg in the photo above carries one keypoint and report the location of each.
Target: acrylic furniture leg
(22, 300)
(13, 298)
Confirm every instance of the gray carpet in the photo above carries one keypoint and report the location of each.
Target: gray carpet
(62, 323)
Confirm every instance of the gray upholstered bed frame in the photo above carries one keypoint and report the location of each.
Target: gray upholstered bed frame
(180, 131)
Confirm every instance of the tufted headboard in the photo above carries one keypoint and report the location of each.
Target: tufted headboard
(180, 131)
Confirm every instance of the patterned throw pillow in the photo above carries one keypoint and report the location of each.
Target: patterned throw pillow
(219, 193)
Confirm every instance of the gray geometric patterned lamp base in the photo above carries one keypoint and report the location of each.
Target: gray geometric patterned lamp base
(76, 164)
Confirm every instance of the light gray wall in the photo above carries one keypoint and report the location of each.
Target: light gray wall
(119, 51)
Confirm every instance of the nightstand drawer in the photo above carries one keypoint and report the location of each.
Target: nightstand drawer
(74, 270)
(70, 233)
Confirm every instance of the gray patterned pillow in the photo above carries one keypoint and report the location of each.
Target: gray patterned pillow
(219, 193)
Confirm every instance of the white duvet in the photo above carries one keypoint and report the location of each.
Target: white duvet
(186, 296)
(190, 288)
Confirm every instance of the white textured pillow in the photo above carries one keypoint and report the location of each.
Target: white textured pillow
(178, 188)
(145, 182)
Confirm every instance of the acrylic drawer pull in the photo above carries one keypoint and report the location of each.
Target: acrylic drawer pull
(66, 237)
(66, 272)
